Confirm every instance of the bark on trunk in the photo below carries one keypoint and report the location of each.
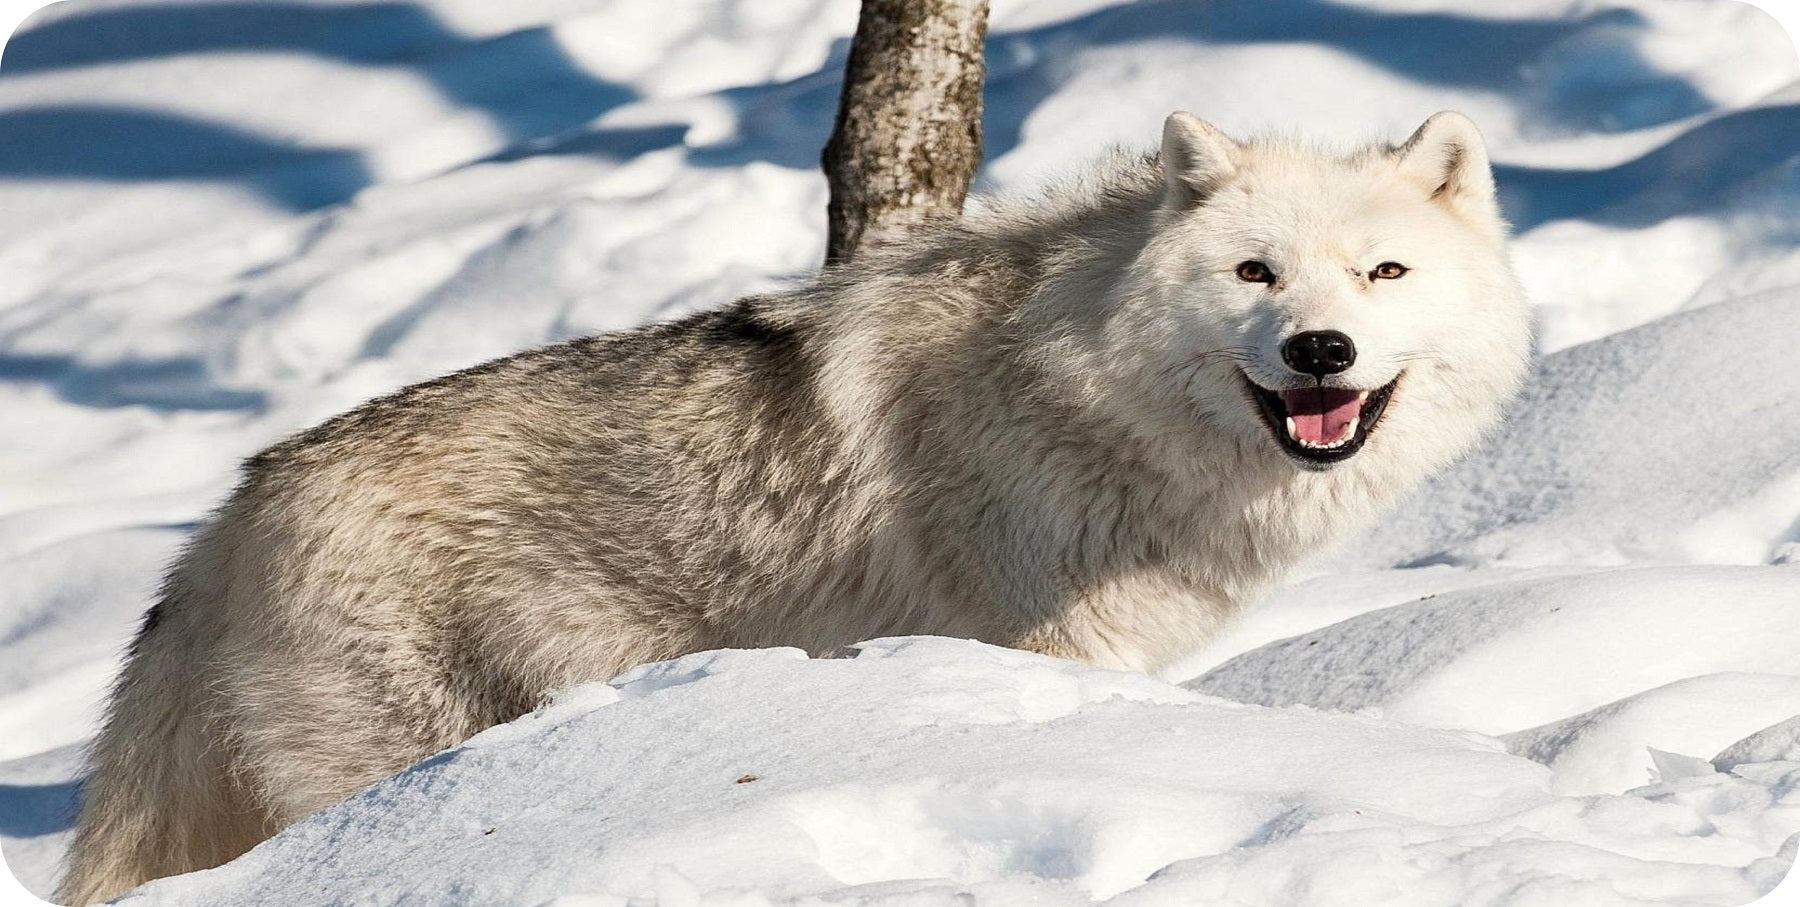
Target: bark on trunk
(908, 134)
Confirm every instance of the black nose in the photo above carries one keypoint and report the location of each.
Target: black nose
(1318, 353)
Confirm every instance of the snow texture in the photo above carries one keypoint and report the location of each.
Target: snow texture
(1567, 672)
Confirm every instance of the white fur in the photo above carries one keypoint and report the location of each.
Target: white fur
(1031, 427)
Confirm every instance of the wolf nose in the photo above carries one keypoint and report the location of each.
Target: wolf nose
(1318, 353)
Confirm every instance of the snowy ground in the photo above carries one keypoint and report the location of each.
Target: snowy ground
(1569, 672)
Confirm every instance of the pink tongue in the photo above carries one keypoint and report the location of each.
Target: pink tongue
(1322, 415)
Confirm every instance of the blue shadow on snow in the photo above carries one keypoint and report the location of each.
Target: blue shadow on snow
(1601, 85)
(528, 87)
(522, 82)
(164, 384)
(123, 144)
(1691, 171)
(30, 810)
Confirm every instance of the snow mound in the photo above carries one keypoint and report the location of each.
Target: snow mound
(929, 771)
(1778, 742)
(1507, 656)
(1656, 444)
(1609, 748)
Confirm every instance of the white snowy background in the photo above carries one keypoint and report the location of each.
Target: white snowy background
(1566, 673)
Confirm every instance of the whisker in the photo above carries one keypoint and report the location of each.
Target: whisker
(1415, 356)
(1193, 363)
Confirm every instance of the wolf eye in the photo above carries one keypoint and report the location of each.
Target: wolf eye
(1389, 270)
(1255, 272)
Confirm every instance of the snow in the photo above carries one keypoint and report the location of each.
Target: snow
(762, 777)
(1564, 673)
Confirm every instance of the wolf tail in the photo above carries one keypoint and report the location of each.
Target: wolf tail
(159, 798)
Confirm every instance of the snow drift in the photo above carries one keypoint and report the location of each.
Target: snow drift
(927, 771)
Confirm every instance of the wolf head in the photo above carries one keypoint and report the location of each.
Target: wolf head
(1322, 309)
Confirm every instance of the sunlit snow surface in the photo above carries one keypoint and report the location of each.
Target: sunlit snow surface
(1568, 672)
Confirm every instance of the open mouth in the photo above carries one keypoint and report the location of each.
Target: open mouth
(1320, 425)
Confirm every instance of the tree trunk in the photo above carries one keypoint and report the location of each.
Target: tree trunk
(908, 134)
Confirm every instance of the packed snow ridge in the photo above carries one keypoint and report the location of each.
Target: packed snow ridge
(927, 771)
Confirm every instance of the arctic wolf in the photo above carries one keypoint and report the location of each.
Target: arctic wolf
(1091, 425)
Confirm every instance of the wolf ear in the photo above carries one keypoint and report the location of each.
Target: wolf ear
(1196, 158)
(1447, 158)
